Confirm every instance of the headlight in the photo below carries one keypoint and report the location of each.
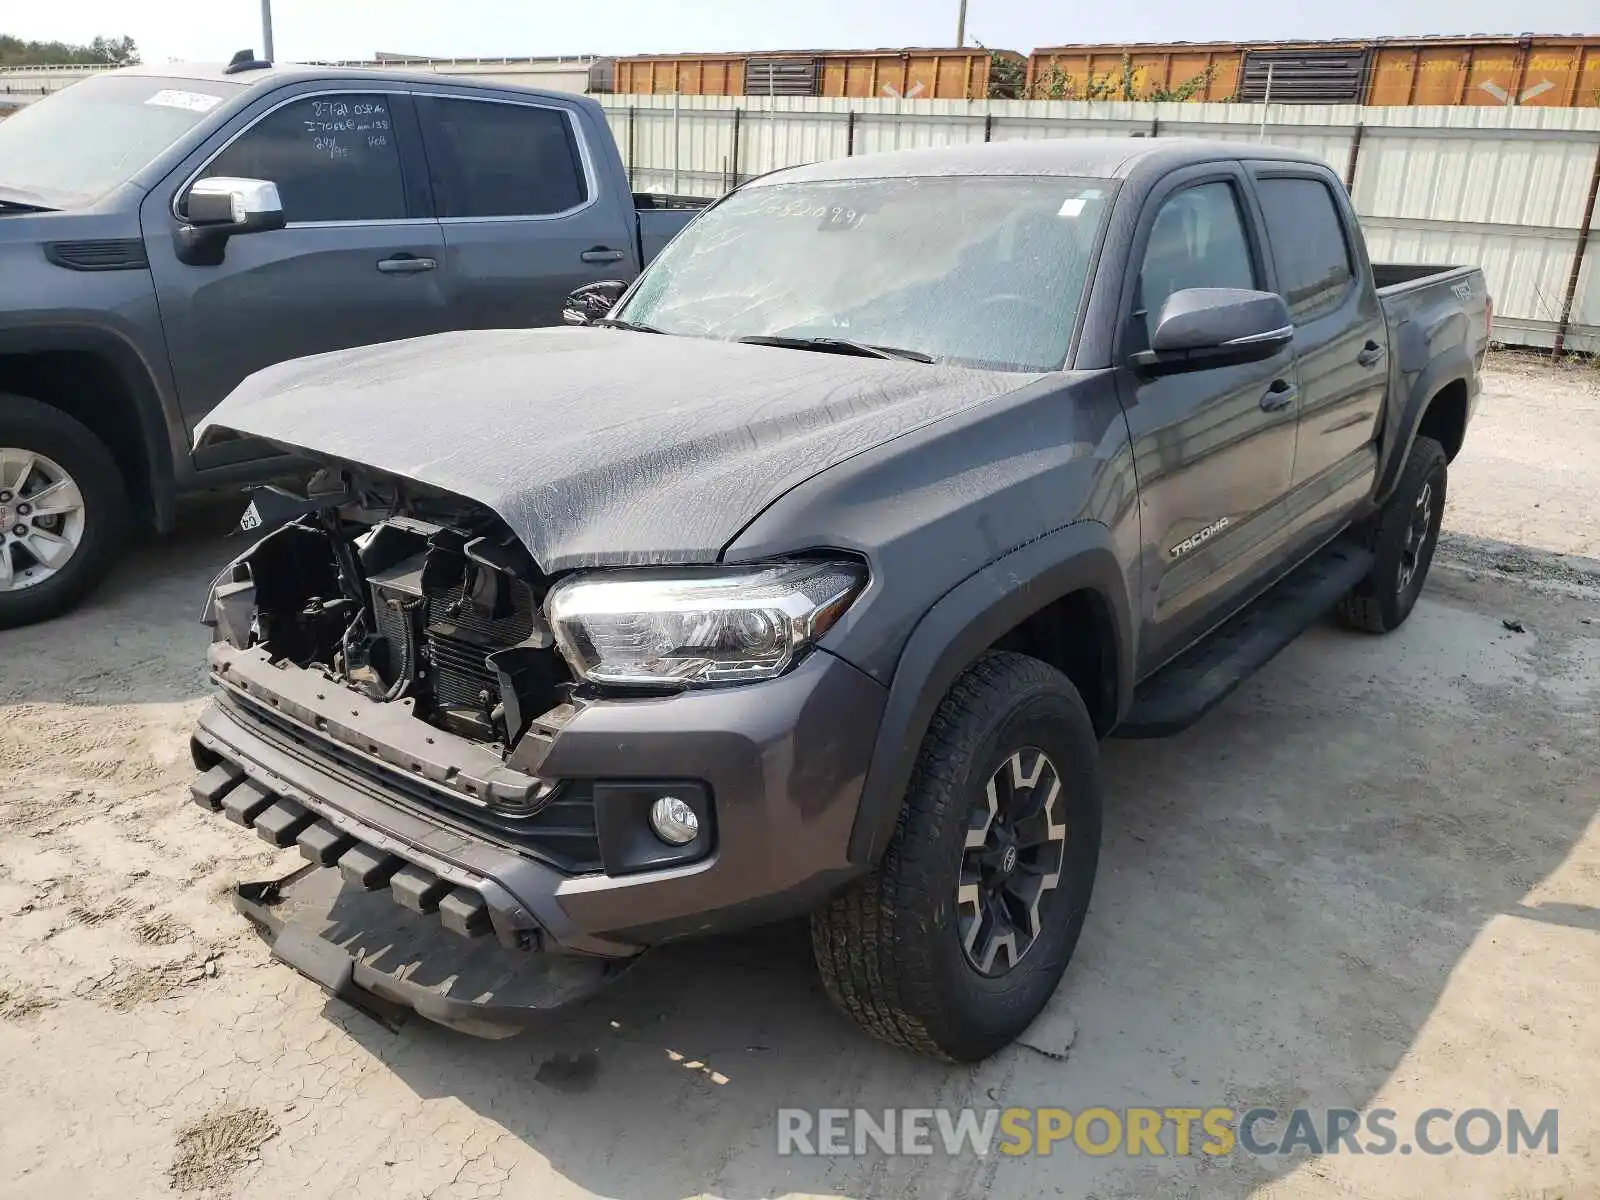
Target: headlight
(681, 627)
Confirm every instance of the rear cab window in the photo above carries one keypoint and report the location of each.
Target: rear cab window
(492, 158)
(1316, 269)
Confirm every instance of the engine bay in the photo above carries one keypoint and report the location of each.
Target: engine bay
(400, 595)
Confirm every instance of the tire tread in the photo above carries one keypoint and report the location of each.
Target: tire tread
(865, 940)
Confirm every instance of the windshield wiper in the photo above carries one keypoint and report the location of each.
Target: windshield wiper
(630, 326)
(20, 206)
(826, 345)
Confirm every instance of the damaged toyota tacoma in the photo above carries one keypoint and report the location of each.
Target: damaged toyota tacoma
(805, 580)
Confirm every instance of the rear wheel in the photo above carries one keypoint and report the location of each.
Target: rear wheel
(1405, 533)
(954, 944)
(63, 511)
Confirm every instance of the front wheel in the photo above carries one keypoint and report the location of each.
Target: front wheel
(63, 510)
(1404, 535)
(954, 944)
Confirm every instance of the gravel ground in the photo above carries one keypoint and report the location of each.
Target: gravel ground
(1371, 879)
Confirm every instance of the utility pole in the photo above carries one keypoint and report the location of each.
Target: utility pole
(266, 30)
(961, 25)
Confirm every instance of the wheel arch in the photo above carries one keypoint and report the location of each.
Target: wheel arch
(100, 381)
(1439, 401)
(1030, 600)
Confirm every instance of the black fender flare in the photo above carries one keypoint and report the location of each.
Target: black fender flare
(963, 623)
(1453, 365)
(138, 380)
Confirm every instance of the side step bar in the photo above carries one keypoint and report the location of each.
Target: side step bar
(1195, 682)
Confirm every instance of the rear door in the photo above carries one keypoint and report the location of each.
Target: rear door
(1213, 449)
(1339, 337)
(357, 262)
(524, 215)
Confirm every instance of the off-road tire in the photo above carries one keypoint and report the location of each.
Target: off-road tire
(1379, 604)
(888, 948)
(29, 425)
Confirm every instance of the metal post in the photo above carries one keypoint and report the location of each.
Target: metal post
(633, 144)
(737, 113)
(988, 127)
(850, 133)
(266, 31)
(677, 142)
(1265, 101)
(961, 25)
(1355, 153)
(1577, 258)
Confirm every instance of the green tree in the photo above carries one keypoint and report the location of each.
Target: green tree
(107, 51)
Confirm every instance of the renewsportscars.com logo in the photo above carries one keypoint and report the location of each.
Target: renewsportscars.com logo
(850, 1132)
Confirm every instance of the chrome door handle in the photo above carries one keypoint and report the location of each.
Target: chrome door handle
(1370, 354)
(601, 255)
(1280, 395)
(405, 264)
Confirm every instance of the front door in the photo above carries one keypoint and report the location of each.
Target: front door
(1213, 449)
(357, 263)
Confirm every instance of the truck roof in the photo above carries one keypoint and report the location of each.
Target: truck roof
(1088, 157)
(277, 73)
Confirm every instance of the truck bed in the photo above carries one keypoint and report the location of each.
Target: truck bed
(1394, 278)
(661, 217)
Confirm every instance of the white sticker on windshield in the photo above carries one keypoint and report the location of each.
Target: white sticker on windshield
(193, 101)
(1072, 207)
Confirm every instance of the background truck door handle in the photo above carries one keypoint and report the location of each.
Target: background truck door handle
(1370, 353)
(601, 254)
(405, 264)
(1280, 394)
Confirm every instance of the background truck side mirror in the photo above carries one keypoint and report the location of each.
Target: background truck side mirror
(591, 301)
(220, 208)
(1216, 327)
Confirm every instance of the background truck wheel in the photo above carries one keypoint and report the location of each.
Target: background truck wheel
(1405, 532)
(956, 941)
(63, 511)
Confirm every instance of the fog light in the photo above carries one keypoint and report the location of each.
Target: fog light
(674, 821)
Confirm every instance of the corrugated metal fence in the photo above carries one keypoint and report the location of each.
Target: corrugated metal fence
(1506, 188)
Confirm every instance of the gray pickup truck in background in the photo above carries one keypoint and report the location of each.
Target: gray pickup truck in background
(808, 581)
(167, 230)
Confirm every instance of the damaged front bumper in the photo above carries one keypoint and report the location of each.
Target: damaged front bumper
(551, 900)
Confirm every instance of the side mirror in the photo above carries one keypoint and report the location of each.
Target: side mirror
(1201, 328)
(220, 208)
(592, 301)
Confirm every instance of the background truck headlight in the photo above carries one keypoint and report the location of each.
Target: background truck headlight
(695, 627)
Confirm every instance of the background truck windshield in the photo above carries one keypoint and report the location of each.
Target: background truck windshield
(981, 271)
(78, 144)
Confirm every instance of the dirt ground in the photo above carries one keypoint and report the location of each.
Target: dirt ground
(1371, 879)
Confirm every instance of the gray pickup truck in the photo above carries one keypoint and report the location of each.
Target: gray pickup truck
(809, 579)
(378, 206)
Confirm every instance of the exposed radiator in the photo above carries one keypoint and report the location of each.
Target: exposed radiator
(457, 638)
(445, 636)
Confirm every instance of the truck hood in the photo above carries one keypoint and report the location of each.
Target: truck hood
(599, 447)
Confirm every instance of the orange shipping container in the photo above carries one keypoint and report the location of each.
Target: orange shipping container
(1535, 72)
(690, 74)
(922, 74)
(1195, 70)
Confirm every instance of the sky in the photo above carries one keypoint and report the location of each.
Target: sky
(325, 29)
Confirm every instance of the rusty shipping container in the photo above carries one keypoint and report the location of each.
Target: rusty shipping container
(691, 74)
(1534, 69)
(1207, 70)
(916, 74)
(1559, 72)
